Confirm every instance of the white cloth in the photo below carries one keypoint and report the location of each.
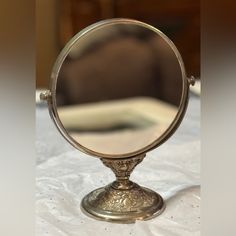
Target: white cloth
(65, 176)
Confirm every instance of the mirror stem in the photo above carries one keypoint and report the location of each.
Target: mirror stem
(122, 169)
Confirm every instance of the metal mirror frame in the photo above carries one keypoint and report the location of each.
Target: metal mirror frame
(50, 95)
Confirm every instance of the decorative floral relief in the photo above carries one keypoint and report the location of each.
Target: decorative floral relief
(122, 200)
(123, 167)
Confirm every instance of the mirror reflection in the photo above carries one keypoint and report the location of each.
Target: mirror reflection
(119, 88)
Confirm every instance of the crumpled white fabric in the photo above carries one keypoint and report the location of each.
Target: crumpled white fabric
(65, 176)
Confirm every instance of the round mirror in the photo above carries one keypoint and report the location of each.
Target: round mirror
(118, 89)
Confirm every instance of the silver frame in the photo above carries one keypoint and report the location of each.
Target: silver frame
(55, 71)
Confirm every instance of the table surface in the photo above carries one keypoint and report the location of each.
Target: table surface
(65, 176)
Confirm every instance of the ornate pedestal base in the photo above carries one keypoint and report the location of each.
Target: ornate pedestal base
(122, 201)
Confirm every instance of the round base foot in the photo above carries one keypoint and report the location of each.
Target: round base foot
(122, 206)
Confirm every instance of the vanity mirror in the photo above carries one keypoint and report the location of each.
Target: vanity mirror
(118, 90)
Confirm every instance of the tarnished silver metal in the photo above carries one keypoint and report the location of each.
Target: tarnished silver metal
(121, 201)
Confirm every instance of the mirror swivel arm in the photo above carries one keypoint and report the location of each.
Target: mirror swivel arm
(191, 80)
(44, 96)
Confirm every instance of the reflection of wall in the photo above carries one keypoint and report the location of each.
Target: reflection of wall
(47, 39)
(130, 62)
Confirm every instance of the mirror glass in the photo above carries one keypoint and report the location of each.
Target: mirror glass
(119, 88)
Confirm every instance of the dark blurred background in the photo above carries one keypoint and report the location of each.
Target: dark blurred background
(58, 20)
